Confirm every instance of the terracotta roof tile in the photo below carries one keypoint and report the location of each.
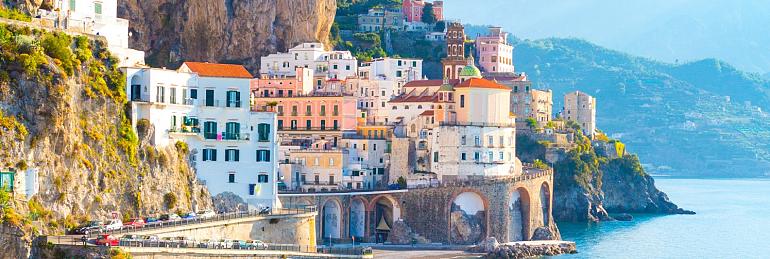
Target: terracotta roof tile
(218, 70)
(481, 83)
(427, 113)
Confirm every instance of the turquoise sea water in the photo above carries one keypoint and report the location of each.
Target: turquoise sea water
(733, 221)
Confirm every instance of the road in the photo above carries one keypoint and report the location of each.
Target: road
(423, 254)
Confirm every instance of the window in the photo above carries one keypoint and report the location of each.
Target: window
(490, 156)
(462, 101)
(490, 140)
(435, 156)
(263, 155)
(232, 131)
(476, 156)
(210, 130)
(98, 8)
(502, 141)
(231, 178)
(462, 140)
(193, 93)
(331, 179)
(317, 179)
(262, 178)
(280, 110)
(323, 110)
(233, 98)
(160, 96)
(263, 130)
(347, 67)
(374, 146)
(334, 66)
(251, 188)
(331, 161)
(477, 141)
(335, 125)
(308, 124)
(308, 111)
(232, 155)
(462, 156)
(316, 161)
(502, 156)
(72, 5)
(323, 124)
(172, 95)
(209, 97)
(398, 73)
(280, 124)
(294, 110)
(209, 154)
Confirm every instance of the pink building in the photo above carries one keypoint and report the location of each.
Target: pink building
(494, 52)
(412, 10)
(279, 86)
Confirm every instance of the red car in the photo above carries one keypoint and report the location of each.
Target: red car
(135, 222)
(107, 240)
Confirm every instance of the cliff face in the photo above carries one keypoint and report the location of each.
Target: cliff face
(63, 113)
(239, 31)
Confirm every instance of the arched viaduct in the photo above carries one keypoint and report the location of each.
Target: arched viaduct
(508, 209)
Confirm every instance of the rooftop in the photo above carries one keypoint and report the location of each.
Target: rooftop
(481, 83)
(218, 70)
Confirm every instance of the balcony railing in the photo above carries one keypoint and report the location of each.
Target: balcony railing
(309, 129)
(477, 124)
(186, 129)
(235, 136)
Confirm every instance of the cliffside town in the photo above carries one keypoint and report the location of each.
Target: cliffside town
(272, 116)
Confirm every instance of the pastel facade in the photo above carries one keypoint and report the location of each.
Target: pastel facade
(378, 19)
(493, 51)
(372, 97)
(581, 108)
(279, 86)
(97, 17)
(367, 162)
(319, 169)
(332, 64)
(413, 9)
(401, 70)
(232, 149)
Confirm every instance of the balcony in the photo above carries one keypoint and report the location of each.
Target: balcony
(310, 129)
(186, 129)
(235, 136)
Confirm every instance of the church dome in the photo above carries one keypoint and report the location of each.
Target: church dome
(470, 71)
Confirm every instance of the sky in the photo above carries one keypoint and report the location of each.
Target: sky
(668, 30)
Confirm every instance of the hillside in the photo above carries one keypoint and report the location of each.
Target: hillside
(63, 113)
(671, 115)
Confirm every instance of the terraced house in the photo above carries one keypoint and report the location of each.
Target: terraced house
(206, 105)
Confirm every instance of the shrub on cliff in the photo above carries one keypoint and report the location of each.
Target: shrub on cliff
(57, 46)
(14, 14)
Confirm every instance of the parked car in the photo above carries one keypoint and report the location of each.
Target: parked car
(206, 214)
(206, 243)
(135, 222)
(107, 240)
(91, 226)
(224, 244)
(253, 245)
(189, 216)
(183, 242)
(114, 224)
(152, 241)
(150, 220)
(169, 217)
(169, 242)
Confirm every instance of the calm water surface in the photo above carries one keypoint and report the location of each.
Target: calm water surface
(733, 221)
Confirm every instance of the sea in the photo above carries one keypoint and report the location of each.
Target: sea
(732, 221)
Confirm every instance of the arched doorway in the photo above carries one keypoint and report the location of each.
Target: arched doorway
(136, 88)
(332, 217)
(357, 219)
(518, 227)
(545, 202)
(468, 218)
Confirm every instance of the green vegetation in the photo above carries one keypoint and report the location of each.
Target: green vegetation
(428, 16)
(532, 123)
(117, 253)
(401, 182)
(14, 14)
(540, 164)
(170, 200)
(10, 123)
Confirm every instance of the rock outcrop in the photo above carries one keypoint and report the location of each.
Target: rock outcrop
(466, 229)
(525, 249)
(241, 32)
(402, 234)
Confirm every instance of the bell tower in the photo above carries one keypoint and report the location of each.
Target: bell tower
(455, 50)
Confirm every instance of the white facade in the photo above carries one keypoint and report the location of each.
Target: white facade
(373, 96)
(401, 70)
(97, 17)
(231, 148)
(366, 161)
(332, 64)
(581, 108)
(460, 152)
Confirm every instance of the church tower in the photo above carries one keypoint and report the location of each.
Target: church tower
(455, 49)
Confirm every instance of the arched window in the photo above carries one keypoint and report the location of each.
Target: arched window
(419, 106)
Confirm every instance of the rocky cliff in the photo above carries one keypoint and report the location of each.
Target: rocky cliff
(63, 113)
(589, 185)
(237, 31)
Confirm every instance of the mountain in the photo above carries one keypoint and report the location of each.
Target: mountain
(704, 118)
(667, 30)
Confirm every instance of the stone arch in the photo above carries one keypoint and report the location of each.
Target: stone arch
(385, 210)
(357, 221)
(545, 202)
(331, 218)
(468, 212)
(519, 215)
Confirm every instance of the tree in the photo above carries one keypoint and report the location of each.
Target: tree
(428, 16)
(531, 123)
(401, 182)
(440, 26)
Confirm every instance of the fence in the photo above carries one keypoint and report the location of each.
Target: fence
(219, 217)
(225, 244)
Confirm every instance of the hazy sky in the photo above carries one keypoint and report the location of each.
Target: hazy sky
(735, 31)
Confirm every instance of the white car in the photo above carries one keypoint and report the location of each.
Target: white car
(114, 224)
(206, 214)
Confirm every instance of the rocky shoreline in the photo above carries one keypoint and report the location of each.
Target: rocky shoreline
(523, 249)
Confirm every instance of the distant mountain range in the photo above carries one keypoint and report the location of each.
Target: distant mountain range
(703, 118)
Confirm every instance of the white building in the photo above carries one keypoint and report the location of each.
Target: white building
(332, 64)
(97, 17)
(401, 70)
(373, 97)
(232, 148)
(366, 162)
(581, 108)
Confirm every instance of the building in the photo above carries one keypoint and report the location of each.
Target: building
(318, 168)
(278, 86)
(412, 9)
(331, 64)
(367, 162)
(232, 149)
(581, 108)
(400, 70)
(455, 49)
(372, 97)
(435, 36)
(96, 17)
(377, 19)
(494, 53)
(526, 102)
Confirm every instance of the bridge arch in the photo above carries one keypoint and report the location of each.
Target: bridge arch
(519, 215)
(468, 217)
(545, 202)
(385, 211)
(357, 221)
(331, 218)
